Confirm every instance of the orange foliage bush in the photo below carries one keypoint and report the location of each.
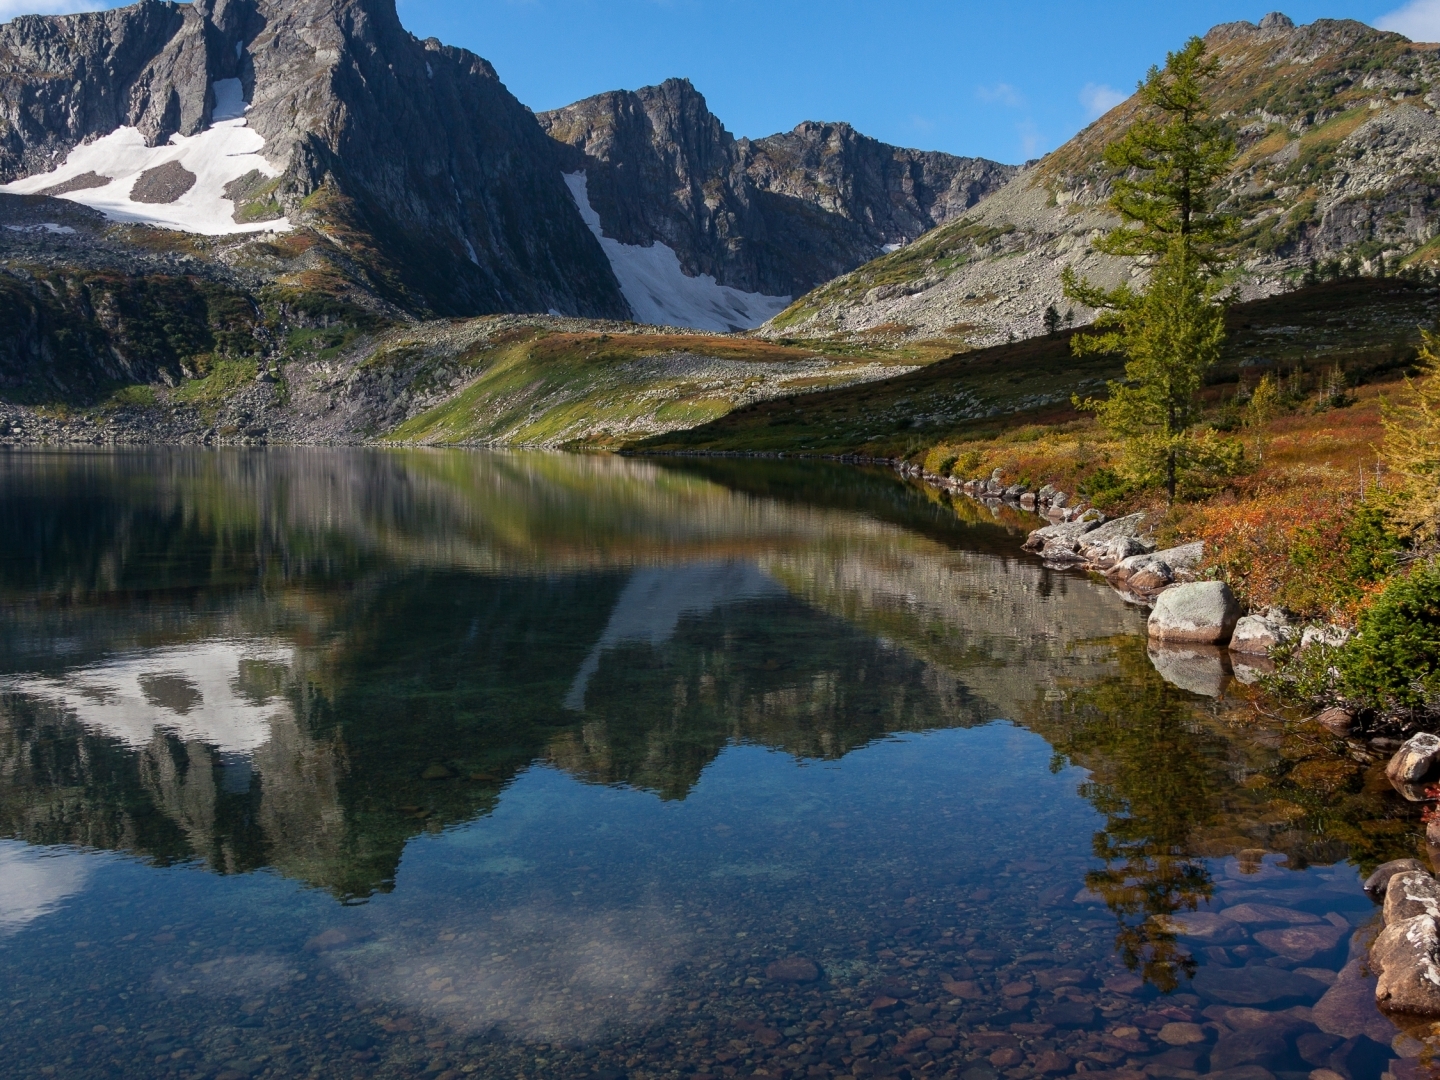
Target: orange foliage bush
(1288, 548)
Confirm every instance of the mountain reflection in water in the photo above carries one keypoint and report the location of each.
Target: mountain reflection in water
(464, 687)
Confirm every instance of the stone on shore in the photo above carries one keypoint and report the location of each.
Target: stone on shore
(1376, 884)
(1153, 577)
(1200, 613)
(1414, 761)
(1146, 575)
(1062, 539)
(1337, 721)
(1410, 894)
(1407, 957)
(1257, 635)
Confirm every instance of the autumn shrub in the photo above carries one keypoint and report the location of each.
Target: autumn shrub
(1318, 558)
(1106, 488)
(941, 459)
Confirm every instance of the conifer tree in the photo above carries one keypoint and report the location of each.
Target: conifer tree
(1168, 165)
(1412, 446)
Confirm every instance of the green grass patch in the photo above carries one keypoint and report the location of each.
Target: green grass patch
(136, 396)
(224, 376)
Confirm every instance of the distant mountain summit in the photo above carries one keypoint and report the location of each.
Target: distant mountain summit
(1338, 126)
(770, 218)
(430, 181)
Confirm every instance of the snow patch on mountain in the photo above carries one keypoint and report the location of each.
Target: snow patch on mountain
(225, 151)
(659, 291)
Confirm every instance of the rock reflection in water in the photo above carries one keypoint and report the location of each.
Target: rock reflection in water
(620, 771)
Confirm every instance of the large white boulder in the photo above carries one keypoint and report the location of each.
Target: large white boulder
(1201, 613)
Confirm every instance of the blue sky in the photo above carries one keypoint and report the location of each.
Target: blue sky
(1003, 80)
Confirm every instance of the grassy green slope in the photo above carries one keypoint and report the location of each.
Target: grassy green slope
(547, 388)
(1364, 326)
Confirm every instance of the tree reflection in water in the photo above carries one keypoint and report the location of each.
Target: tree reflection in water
(1155, 780)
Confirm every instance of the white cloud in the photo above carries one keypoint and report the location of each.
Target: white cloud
(1030, 139)
(1418, 20)
(1001, 94)
(1099, 99)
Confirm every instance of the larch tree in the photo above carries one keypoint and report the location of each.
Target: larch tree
(1412, 446)
(1168, 168)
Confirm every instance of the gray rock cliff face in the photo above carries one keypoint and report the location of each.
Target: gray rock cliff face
(411, 151)
(777, 215)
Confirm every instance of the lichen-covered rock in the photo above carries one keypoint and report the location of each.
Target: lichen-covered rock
(1409, 894)
(1062, 538)
(1407, 957)
(1333, 636)
(1201, 613)
(1414, 761)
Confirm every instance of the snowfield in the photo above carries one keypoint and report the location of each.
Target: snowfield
(225, 151)
(660, 292)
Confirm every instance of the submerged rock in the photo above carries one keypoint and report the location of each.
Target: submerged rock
(1201, 613)
(1254, 985)
(793, 969)
(1300, 943)
(1247, 1048)
(1348, 1008)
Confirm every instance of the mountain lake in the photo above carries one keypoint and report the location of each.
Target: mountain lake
(413, 763)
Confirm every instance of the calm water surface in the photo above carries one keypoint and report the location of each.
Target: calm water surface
(444, 764)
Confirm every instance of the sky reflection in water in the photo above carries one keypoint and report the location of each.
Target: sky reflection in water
(386, 764)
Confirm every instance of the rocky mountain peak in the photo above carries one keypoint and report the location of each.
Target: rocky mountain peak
(774, 216)
(415, 146)
(1338, 130)
(1277, 21)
